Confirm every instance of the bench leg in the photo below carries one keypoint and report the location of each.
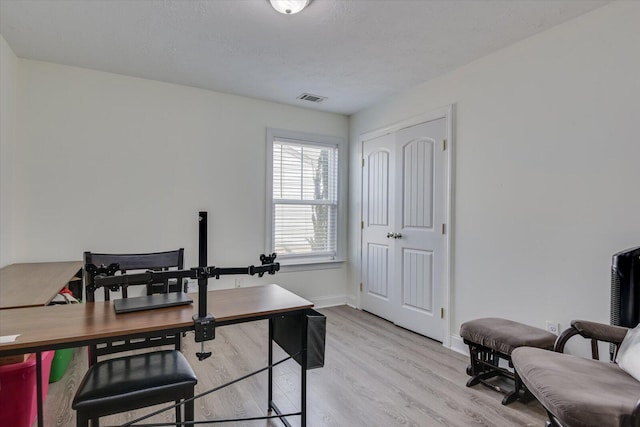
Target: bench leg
(510, 397)
(477, 379)
(520, 391)
(484, 364)
(481, 363)
(515, 394)
(479, 358)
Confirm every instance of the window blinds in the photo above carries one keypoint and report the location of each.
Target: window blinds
(305, 199)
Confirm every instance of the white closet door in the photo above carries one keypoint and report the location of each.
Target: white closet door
(403, 216)
(378, 180)
(419, 252)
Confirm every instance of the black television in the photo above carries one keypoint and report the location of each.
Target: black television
(625, 288)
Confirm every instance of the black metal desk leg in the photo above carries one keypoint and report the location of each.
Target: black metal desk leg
(303, 374)
(39, 388)
(270, 402)
(303, 395)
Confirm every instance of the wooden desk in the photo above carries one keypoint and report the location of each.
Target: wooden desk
(73, 325)
(34, 284)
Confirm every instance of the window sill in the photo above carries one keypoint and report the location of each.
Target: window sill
(289, 266)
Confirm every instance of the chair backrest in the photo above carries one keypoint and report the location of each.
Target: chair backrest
(129, 262)
(158, 261)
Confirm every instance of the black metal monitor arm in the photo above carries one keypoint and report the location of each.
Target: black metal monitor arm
(104, 275)
(204, 322)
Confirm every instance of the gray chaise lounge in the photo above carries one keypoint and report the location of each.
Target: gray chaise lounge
(580, 392)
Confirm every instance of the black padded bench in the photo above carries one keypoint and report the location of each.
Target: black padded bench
(491, 339)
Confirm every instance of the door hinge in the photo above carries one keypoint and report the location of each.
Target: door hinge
(444, 144)
(361, 224)
(362, 162)
(444, 228)
(442, 312)
(360, 286)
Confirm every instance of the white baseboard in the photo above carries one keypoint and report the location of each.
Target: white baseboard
(458, 345)
(329, 301)
(352, 301)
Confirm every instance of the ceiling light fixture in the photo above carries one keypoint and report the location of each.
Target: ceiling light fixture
(289, 7)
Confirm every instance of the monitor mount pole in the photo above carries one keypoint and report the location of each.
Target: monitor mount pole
(204, 323)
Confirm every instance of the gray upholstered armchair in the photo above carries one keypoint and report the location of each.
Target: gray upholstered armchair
(580, 392)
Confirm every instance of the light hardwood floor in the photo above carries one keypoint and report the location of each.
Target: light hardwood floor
(375, 375)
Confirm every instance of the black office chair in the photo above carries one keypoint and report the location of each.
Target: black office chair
(125, 383)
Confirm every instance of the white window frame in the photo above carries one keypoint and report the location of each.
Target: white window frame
(313, 261)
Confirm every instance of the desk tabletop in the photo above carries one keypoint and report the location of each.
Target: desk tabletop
(75, 324)
(34, 284)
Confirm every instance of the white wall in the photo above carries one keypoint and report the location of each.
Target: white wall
(109, 163)
(547, 169)
(8, 75)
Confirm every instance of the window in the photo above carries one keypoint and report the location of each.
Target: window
(304, 212)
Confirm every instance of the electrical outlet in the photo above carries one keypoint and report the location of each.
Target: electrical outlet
(238, 283)
(553, 327)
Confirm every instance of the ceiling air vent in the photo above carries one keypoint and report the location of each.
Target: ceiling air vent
(312, 98)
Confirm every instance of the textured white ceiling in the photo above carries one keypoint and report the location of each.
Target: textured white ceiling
(353, 52)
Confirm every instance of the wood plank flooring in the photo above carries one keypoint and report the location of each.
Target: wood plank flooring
(375, 375)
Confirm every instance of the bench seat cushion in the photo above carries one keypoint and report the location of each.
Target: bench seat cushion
(579, 392)
(504, 335)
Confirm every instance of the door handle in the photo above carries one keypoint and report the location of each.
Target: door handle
(390, 235)
(397, 235)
